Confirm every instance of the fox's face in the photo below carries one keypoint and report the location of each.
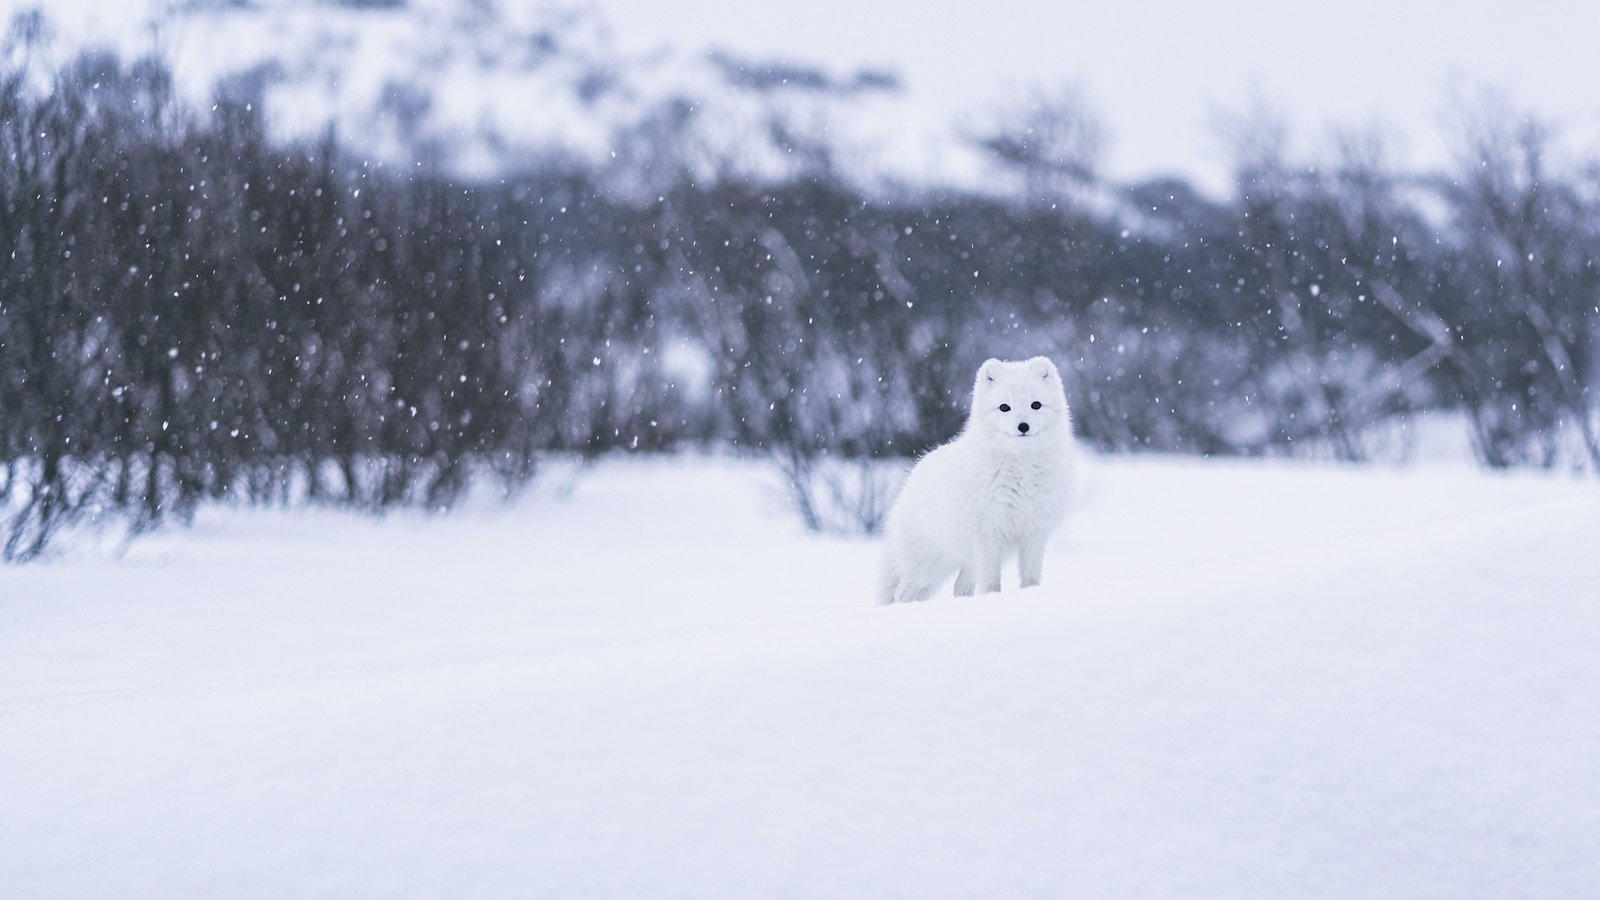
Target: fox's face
(1019, 400)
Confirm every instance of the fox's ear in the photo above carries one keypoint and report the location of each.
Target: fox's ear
(1042, 367)
(990, 370)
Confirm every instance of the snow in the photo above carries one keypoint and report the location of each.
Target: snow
(1239, 679)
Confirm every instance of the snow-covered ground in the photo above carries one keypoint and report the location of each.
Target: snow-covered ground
(1239, 680)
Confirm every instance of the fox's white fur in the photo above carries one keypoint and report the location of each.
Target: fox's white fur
(994, 493)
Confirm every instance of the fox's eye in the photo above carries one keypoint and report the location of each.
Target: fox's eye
(1037, 404)
(1005, 407)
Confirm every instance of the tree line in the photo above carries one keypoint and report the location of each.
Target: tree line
(191, 310)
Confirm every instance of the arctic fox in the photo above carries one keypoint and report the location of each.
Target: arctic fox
(995, 492)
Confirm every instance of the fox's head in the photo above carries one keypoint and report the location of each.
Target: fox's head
(1019, 401)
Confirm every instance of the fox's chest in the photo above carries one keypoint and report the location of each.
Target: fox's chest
(1021, 494)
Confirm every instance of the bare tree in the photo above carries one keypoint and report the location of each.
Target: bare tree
(1051, 139)
(1527, 231)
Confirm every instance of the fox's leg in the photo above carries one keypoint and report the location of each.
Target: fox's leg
(989, 559)
(888, 582)
(965, 582)
(1031, 559)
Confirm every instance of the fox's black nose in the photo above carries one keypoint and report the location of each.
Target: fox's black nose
(1022, 427)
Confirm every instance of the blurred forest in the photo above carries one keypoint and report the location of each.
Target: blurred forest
(191, 310)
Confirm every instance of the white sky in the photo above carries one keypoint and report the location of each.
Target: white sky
(1159, 70)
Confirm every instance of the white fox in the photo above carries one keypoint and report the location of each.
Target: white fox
(995, 492)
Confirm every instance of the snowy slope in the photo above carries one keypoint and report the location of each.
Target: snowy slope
(487, 86)
(1239, 680)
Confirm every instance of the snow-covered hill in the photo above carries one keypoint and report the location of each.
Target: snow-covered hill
(485, 86)
(1239, 680)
